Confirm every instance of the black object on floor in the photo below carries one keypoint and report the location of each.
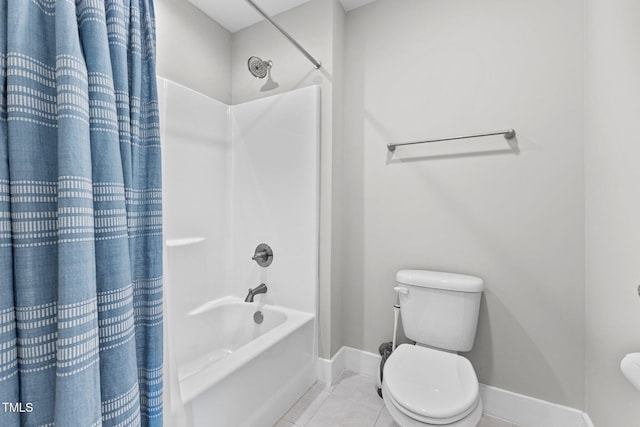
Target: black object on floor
(385, 350)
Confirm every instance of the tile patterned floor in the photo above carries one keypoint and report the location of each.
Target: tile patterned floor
(351, 402)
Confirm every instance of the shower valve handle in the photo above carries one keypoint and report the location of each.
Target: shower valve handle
(263, 255)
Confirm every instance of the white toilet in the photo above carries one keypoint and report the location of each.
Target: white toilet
(429, 384)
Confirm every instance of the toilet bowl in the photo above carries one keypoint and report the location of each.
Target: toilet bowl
(429, 384)
(428, 387)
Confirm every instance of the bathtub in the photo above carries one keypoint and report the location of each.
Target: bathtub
(234, 372)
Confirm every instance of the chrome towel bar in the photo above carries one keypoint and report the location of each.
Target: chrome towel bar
(508, 134)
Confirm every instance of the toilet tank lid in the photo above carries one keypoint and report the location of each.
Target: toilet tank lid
(440, 280)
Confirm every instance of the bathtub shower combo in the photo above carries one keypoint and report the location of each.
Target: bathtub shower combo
(241, 215)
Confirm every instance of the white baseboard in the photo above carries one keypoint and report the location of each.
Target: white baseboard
(347, 359)
(329, 370)
(528, 411)
(361, 362)
(517, 408)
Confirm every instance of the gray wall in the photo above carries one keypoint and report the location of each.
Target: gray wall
(318, 26)
(417, 69)
(335, 321)
(193, 49)
(613, 207)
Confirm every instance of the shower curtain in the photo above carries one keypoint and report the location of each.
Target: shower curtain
(80, 215)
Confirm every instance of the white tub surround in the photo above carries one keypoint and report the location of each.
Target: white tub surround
(275, 196)
(238, 176)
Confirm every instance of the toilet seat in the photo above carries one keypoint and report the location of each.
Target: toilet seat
(430, 386)
(403, 420)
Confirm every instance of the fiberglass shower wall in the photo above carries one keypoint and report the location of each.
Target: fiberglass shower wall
(196, 178)
(275, 196)
(237, 176)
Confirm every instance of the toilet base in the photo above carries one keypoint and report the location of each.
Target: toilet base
(403, 420)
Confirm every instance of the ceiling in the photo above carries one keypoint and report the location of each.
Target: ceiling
(235, 15)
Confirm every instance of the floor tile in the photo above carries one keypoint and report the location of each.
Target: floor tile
(352, 402)
(340, 411)
(302, 411)
(359, 388)
(385, 420)
(327, 387)
(488, 421)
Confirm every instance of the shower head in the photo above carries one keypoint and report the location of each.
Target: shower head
(258, 67)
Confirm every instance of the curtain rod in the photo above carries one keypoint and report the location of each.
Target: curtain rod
(317, 64)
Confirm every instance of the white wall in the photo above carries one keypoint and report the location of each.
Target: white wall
(193, 49)
(275, 190)
(613, 206)
(419, 69)
(317, 25)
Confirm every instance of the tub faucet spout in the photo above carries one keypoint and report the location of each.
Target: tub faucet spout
(262, 289)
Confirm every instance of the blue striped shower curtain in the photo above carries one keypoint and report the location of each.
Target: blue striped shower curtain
(80, 215)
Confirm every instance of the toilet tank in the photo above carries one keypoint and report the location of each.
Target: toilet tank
(439, 309)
